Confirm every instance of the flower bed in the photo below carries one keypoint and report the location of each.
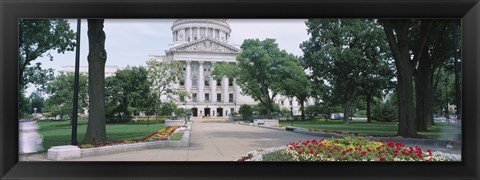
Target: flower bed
(160, 135)
(356, 149)
(367, 135)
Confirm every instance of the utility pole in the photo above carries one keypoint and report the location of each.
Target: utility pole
(75, 86)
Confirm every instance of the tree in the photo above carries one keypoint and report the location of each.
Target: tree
(36, 38)
(246, 111)
(128, 92)
(97, 57)
(36, 101)
(406, 55)
(60, 100)
(344, 56)
(256, 70)
(437, 53)
(162, 75)
(295, 82)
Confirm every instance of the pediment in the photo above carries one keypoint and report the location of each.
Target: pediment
(206, 45)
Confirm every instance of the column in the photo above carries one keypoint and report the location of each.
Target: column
(201, 83)
(237, 91)
(225, 89)
(198, 32)
(213, 86)
(188, 77)
(191, 34)
(184, 34)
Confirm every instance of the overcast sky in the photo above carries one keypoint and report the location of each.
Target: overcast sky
(130, 41)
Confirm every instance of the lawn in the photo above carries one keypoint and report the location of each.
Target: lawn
(57, 133)
(361, 126)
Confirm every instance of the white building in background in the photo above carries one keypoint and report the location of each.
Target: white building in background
(109, 69)
(199, 44)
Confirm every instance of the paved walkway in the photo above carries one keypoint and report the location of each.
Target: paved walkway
(209, 142)
(217, 142)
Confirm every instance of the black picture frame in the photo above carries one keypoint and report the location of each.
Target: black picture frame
(10, 168)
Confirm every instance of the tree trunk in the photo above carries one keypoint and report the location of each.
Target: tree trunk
(400, 50)
(420, 101)
(302, 107)
(268, 106)
(369, 102)
(96, 131)
(347, 105)
(429, 100)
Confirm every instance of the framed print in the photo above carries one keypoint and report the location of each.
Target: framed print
(239, 89)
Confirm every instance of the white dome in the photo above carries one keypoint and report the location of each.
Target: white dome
(188, 30)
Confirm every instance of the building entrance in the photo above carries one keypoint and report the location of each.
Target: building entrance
(195, 112)
(220, 112)
(207, 112)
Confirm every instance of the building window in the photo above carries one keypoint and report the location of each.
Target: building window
(182, 82)
(230, 81)
(283, 102)
(194, 97)
(182, 98)
(219, 97)
(194, 67)
(194, 80)
(219, 82)
(230, 98)
(207, 97)
(291, 103)
(207, 81)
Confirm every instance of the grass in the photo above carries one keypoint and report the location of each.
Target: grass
(361, 126)
(176, 136)
(56, 133)
(277, 156)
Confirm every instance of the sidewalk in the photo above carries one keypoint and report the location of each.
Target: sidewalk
(219, 142)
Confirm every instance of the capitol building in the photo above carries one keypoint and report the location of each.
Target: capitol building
(198, 44)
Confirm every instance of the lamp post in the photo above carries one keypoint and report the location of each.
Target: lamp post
(75, 87)
(447, 118)
(185, 110)
(291, 110)
(234, 109)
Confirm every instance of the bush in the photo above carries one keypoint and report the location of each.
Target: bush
(384, 112)
(246, 111)
(277, 156)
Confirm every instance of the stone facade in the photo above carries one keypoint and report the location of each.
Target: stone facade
(199, 44)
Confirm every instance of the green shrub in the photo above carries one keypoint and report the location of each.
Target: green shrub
(384, 112)
(246, 111)
(279, 155)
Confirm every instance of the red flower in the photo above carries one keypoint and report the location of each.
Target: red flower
(382, 159)
(301, 151)
(364, 153)
(339, 159)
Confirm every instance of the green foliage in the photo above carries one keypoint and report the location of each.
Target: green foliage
(277, 156)
(258, 70)
(385, 112)
(160, 76)
(246, 111)
(166, 109)
(262, 109)
(182, 112)
(37, 37)
(36, 101)
(347, 58)
(24, 104)
(60, 101)
(126, 93)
